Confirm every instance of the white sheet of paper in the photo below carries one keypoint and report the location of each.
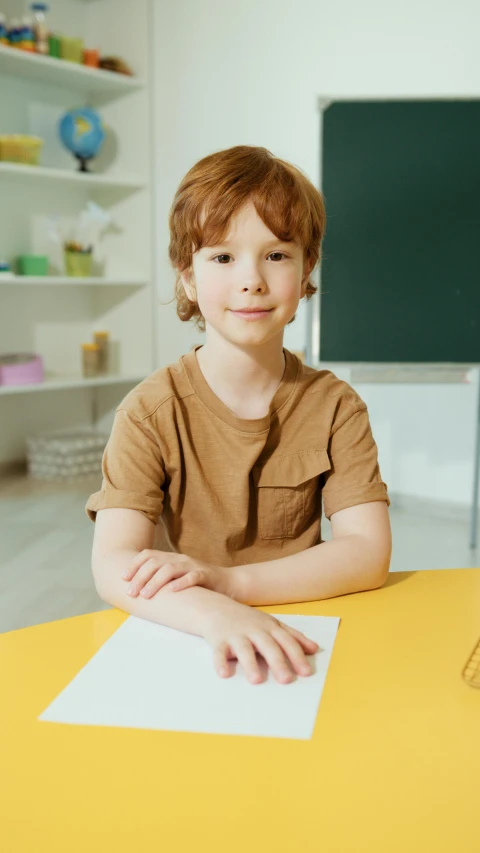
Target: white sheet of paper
(150, 676)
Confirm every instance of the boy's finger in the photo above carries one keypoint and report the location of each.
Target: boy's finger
(150, 588)
(184, 581)
(152, 582)
(132, 570)
(301, 637)
(129, 573)
(142, 577)
(139, 587)
(220, 660)
(141, 558)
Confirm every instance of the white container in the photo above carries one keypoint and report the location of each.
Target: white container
(65, 455)
(40, 27)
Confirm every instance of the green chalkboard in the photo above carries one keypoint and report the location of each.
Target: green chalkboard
(400, 273)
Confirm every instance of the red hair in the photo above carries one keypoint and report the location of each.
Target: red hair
(218, 186)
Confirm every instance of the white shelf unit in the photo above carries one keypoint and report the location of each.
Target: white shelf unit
(90, 179)
(60, 383)
(53, 315)
(70, 281)
(60, 72)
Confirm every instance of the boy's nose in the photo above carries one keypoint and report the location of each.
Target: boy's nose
(253, 280)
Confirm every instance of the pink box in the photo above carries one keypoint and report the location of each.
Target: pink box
(21, 369)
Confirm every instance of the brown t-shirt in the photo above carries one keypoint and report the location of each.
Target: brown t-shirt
(231, 490)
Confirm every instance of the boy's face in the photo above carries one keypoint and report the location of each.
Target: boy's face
(252, 268)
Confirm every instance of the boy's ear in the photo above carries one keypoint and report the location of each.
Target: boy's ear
(186, 278)
(306, 275)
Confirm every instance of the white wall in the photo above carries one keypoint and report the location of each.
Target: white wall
(251, 72)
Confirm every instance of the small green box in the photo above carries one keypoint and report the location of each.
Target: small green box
(54, 46)
(33, 265)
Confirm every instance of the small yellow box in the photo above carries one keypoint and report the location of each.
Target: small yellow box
(20, 148)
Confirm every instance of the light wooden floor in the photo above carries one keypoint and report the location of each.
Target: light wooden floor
(46, 541)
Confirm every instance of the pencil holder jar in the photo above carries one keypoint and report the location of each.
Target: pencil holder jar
(78, 264)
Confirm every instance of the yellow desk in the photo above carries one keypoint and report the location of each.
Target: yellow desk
(393, 765)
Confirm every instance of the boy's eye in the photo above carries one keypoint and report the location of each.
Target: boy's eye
(228, 256)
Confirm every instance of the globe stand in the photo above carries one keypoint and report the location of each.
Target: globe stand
(83, 163)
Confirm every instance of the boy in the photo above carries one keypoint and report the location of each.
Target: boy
(233, 446)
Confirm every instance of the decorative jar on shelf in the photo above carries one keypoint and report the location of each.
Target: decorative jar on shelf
(102, 339)
(78, 262)
(90, 359)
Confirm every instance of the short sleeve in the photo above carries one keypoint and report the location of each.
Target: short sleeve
(354, 476)
(132, 469)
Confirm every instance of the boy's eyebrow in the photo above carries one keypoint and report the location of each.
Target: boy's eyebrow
(266, 245)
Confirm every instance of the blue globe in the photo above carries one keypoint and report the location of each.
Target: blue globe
(81, 131)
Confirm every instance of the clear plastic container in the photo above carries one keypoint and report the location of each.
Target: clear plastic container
(3, 29)
(65, 455)
(14, 32)
(27, 40)
(90, 359)
(40, 27)
(102, 339)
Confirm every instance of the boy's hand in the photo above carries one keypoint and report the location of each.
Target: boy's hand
(150, 570)
(237, 631)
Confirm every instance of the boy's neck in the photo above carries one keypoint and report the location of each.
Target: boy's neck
(244, 383)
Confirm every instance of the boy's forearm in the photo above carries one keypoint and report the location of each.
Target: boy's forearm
(340, 566)
(187, 610)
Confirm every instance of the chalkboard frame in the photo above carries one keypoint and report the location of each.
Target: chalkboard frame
(315, 352)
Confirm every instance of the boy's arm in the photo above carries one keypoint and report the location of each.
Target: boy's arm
(120, 534)
(188, 610)
(355, 560)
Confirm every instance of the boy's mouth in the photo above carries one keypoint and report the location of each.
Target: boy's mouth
(255, 312)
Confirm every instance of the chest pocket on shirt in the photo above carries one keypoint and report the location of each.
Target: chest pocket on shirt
(288, 492)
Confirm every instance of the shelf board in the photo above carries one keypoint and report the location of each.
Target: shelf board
(42, 173)
(60, 382)
(61, 72)
(69, 281)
